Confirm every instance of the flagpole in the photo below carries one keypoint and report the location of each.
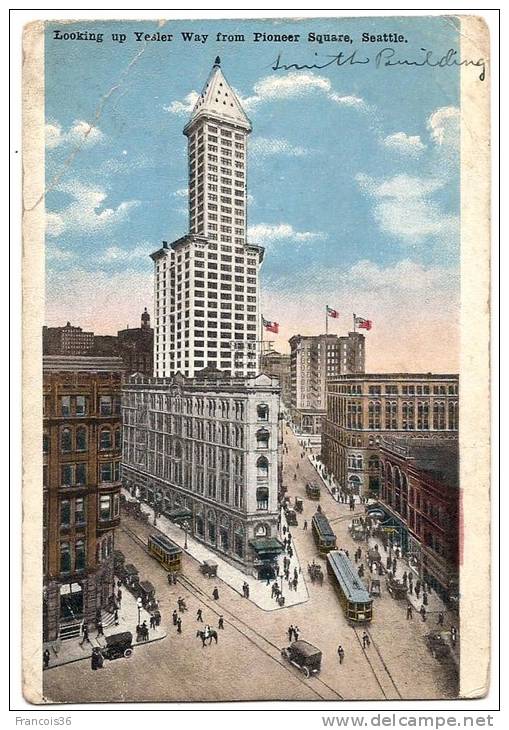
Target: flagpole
(326, 321)
(354, 321)
(261, 343)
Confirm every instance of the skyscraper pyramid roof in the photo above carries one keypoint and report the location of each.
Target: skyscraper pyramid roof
(219, 101)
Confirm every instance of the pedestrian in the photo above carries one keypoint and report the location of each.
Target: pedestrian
(247, 590)
(199, 615)
(100, 631)
(408, 612)
(295, 573)
(119, 596)
(388, 563)
(220, 623)
(179, 625)
(365, 640)
(425, 598)
(341, 654)
(85, 634)
(46, 658)
(175, 617)
(290, 632)
(295, 582)
(152, 621)
(296, 632)
(440, 620)
(215, 594)
(423, 613)
(454, 635)
(360, 572)
(115, 616)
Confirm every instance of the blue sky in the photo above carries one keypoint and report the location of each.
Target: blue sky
(353, 177)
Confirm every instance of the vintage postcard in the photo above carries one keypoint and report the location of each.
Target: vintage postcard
(256, 307)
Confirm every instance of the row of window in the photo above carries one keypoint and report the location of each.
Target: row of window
(78, 405)
(77, 439)
(75, 475)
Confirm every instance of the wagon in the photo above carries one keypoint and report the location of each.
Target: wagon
(304, 656)
(438, 644)
(146, 592)
(396, 588)
(374, 588)
(315, 572)
(373, 556)
(299, 504)
(357, 530)
(118, 645)
(209, 568)
(291, 517)
(313, 490)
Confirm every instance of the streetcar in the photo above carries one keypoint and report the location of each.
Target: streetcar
(353, 596)
(325, 538)
(166, 552)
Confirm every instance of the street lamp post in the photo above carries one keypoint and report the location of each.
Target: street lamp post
(139, 605)
(185, 525)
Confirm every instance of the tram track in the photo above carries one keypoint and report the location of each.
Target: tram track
(267, 647)
(382, 674)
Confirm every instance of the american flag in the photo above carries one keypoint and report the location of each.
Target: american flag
(270, 326)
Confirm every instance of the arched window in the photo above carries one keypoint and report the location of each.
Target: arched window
(65, 439)
(374, 464)
(81, 438)
(439, 415)
(453, 415)
(105, 441)
(198, 522)
(262, 410)
(224, 533)
(262, 438)
(262, 468)
(79, 555)
(262, 498)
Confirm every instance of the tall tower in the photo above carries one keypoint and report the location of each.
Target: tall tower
(207, 283)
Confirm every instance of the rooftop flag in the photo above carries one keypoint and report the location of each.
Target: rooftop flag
(270, 326)
(332, 312)
(363, 324)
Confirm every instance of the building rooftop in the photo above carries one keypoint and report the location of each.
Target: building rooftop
(439, 459)
(394, 376)
(81, 363)
(219, 101)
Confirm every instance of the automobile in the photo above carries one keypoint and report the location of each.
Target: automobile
(438, 644)
(304, 656)
(209, 568)
(118, 646)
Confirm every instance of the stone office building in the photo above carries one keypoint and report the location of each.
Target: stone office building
(361, 409)
(81, 489)
(420, 497)
(313, 361)
(204, 451)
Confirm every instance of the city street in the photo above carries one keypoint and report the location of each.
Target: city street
(246, 663)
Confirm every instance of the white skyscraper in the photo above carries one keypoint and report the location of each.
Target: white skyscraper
(206, 283)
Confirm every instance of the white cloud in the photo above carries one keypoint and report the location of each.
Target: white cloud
(444, 126)
(183, 107)
(404, 208)
(83, 213)
(263, 233)
(404, 144)
(80, 133)
(268, 146)
(181, 193)
(274, 88)
(413, 306)
(56, 253)
(115, 253)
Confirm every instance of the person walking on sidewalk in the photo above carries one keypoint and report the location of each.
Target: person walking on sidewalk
(179, 625)
(46, 658)
(423, 612)
(85, 634)
(220, 623)
(341, 654)
(408, 612)
(305, 525)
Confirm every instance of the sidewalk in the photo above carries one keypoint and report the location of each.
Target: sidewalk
(329, 482)
(259, 591)
(70, 650)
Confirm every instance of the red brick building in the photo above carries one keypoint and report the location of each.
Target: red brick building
(81, 488)
(420, 496)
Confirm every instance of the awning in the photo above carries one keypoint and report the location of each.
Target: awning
(266, 545)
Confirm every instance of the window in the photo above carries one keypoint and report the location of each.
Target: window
(81, 438)
(105, 471)
(65, 557)
(105, 405)
(81, 473)
(80, 555)
(65, 513)
(79, 511)
(262, 438)
(65, 405)
(238, 541)
(211, 526)
(262, 468)
(65, 440)
(45, 443)
(81, 405)
(262, 498)
(105, 507)
(262, 411)
(105, 441)
(66, 475)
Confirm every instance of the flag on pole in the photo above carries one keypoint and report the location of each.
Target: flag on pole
(332, 312)
(363, 324)
(270, 326)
